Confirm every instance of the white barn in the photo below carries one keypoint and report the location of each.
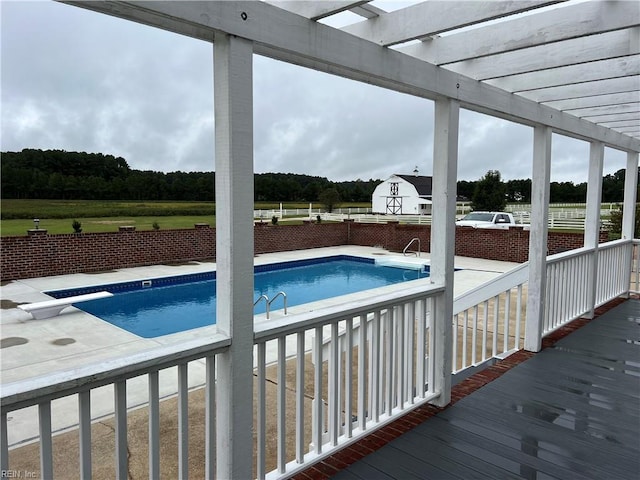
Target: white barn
(403, 195)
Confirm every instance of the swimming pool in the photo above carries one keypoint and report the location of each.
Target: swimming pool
(156, 307)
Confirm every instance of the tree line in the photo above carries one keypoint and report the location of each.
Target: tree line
(62, 175)
(58, 174)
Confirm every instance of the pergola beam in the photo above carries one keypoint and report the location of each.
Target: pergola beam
(568, 52)
(433, 17)
(608, 110)
(596, 101)
(317, 10)
(619, 117)
(285, 36)
(585, 89)
(585, 72)
(556, 25)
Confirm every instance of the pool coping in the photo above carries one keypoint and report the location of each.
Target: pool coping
(76, 338)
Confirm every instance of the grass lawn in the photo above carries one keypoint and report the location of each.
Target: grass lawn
(56, 216)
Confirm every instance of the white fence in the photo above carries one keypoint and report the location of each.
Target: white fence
(368, 364)
(557, 220)
(79, 384)
(570, 293)
(339, 373)
(488, 320)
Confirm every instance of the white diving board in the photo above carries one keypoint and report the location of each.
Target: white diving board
(52, 308)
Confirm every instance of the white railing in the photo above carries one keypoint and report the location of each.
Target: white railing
(569, 291)
(267, 214)
(326, 378)
(488, 321)
(614, 261)
(83, 385)
(557, 220)
(340, 374)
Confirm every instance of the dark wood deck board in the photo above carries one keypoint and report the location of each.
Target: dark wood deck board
(571, 411)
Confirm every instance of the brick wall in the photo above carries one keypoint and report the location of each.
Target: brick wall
(277, 238)
(39, 254)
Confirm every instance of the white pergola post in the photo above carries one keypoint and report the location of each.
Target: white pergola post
(234, 252)
(629, 204)
(630, 193)
(445, 170)
(592, 220)
(540, 185)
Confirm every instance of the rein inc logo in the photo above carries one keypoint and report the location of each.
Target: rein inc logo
(18, 474)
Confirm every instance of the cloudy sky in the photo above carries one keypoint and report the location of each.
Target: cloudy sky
(77, 80)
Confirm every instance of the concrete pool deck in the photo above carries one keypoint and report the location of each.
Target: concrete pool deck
(32, 348)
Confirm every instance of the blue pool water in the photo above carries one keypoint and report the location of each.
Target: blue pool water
(171, 305)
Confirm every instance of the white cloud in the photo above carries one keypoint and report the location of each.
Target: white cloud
(78, 80)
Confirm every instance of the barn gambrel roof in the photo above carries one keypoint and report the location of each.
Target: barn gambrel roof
(422, 183)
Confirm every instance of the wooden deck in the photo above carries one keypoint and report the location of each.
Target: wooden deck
(571, 411)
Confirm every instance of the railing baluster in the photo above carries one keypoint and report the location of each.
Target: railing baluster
(431, 317)
(362, 379)
(261, 413)
(474, 336)
(464, 339)
(485, 327)
(374, 356)
(183, 421)
(154, 425)
(420, 347)
(410, 320)
(300, 398)
(496, 307)
(317, 392)
(507, 316)
(281, 399)
(210, 417)
(553, 301)
(400, 356)
(388, 358)
(122, 465)
(348, 377)
(518, 316)
(84, 433)
(333, 395)
(46, 442)
(455, 343)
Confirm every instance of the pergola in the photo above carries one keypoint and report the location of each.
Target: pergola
(571, 68)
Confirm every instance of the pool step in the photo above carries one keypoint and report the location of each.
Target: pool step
(402, 262)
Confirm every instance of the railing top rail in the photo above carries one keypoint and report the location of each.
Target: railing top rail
(24, 393)
(558, 257)
(614, 243)
(507, 280)
(270, 329)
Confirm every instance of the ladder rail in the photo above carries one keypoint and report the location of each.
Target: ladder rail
(268, 302)
(284, 297)
(413, 240)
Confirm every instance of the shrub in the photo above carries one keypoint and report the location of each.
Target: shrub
(615, 222)
(77, 226)
(274, 220)
(155, 226)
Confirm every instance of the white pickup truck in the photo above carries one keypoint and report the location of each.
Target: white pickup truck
(487, 220)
